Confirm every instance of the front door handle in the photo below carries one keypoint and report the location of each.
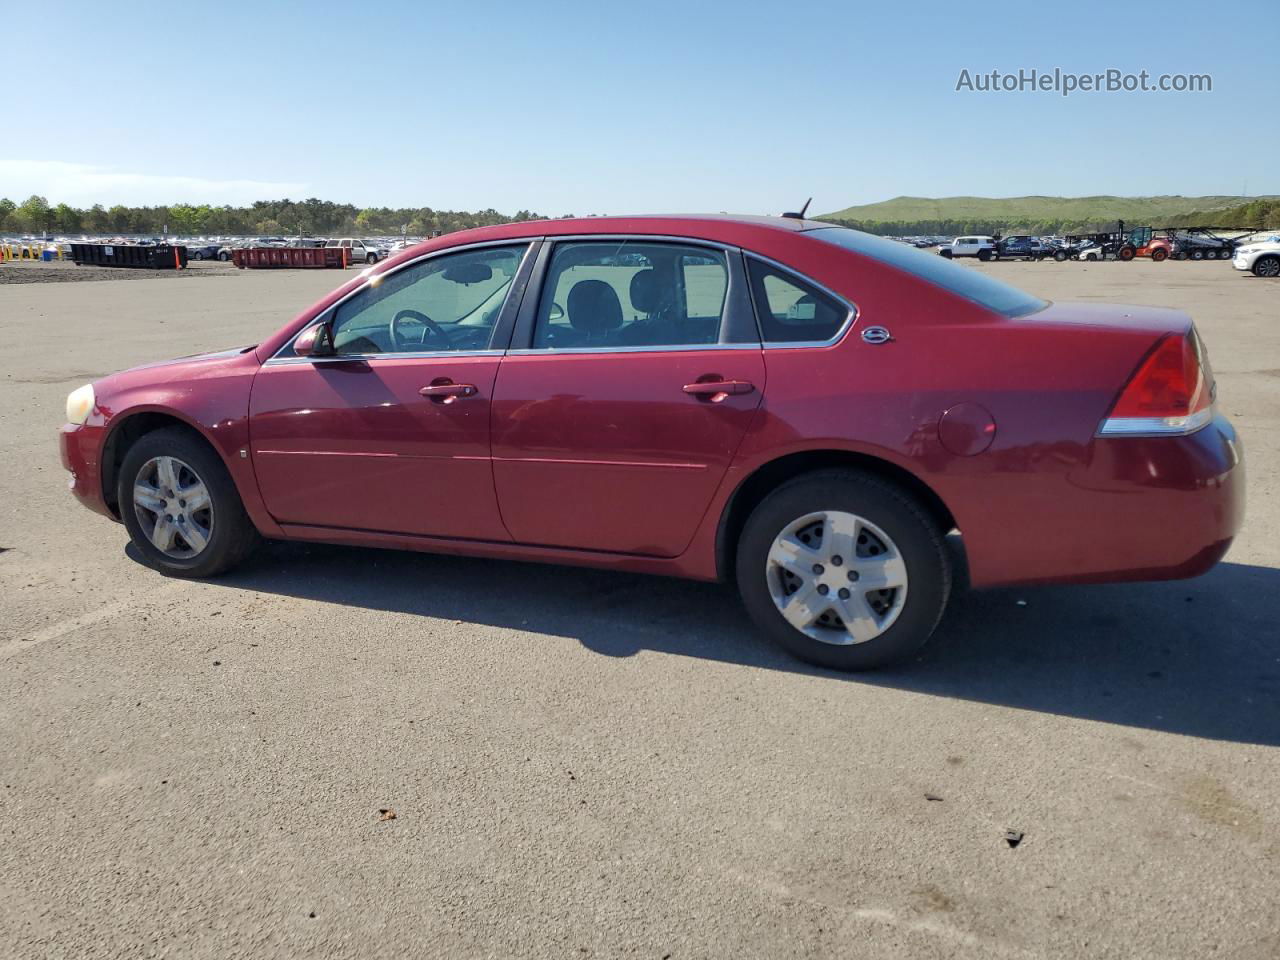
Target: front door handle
(445, 390)
(714, 391)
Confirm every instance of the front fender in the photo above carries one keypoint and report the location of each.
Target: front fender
(213, 401)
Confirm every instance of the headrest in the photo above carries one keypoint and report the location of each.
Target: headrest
(644, 291)
(594, 307)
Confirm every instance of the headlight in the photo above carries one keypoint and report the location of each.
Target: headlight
(80, 404)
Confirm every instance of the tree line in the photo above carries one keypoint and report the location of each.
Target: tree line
(310, 218)
(321, 218)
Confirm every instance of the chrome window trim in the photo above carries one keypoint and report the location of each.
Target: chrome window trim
(574, 351)
(641, 238)
(835, 338)
(330, 310)
(357, 357)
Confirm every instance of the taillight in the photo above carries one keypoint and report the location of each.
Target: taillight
(1170, 394)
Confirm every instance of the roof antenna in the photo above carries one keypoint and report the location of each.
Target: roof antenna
(799, 216)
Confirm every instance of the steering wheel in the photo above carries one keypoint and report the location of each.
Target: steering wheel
(428, 326)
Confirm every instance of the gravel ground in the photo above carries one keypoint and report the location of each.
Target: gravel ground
(590, 764)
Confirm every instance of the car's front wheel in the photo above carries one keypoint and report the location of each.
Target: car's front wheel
(1268, 266)
(181, 507)
(843, 570)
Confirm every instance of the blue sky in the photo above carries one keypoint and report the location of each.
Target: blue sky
(620, 107)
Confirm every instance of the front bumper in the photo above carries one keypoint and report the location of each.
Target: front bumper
(1241, 263)
(80, 448)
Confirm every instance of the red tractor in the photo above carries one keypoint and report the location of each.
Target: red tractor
(1146, 242)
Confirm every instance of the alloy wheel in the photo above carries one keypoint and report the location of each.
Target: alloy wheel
(836, 577)
(173, 507)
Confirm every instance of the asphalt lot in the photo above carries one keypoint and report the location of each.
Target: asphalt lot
(590, 764)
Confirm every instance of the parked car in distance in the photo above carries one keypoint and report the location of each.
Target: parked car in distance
(362, 251)
(1020, 247)
(1262, 257)
(804, 409)
(202, 251)
(983, 248)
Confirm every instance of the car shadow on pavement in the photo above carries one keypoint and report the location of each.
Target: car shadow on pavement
(1198, 657)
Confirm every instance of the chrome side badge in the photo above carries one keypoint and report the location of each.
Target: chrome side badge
(876, 335)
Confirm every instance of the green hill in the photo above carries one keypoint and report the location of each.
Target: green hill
(1034, 214)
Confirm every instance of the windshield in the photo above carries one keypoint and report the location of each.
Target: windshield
(966, 282)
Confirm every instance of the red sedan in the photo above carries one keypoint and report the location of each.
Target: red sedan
(811, 411)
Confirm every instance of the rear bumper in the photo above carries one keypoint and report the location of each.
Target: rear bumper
(1142, 508)
(80, 448)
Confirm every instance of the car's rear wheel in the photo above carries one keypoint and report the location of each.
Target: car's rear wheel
(197, 255)
(224, 256)
(181, 507)
(1060, 256)
(1159, 255)
(843, 570)
(984, 255)
(1268, 266)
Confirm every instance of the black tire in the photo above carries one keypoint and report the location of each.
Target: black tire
(370, 258)
(1197, 254)
(1060, 256)
(945, 253)
(984, 255)
(918, 539)
(1268, 266)
(224, 257)
(232, 532)
(1180, 255)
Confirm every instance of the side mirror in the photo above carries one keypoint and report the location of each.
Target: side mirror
(315, 341)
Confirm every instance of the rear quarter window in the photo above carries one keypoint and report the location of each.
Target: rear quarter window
(986, 291)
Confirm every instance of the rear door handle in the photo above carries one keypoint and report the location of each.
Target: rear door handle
(714, 391)
(446, 391)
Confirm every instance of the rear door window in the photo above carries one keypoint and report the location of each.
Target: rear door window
(631, 293)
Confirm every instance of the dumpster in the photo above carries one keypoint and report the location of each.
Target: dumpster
(313, 258)
(159, 257)
(46, 255)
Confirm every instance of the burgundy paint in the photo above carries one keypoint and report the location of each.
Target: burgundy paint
(606, 460)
